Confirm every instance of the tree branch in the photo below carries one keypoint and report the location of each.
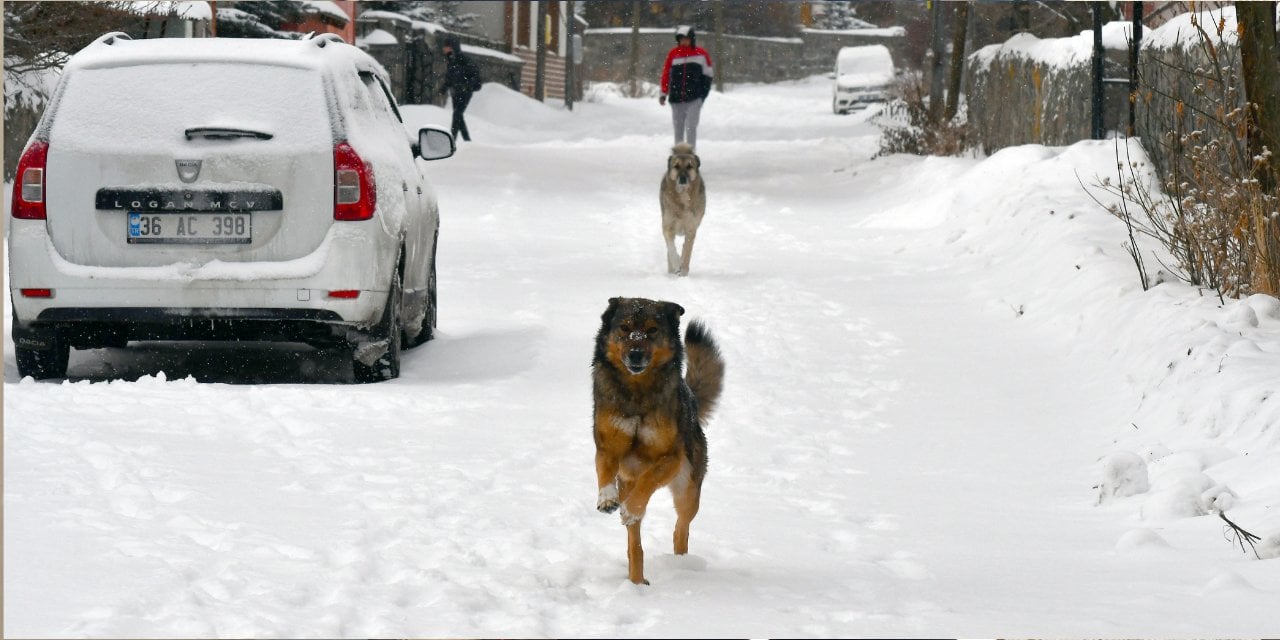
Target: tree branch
(1241, 535)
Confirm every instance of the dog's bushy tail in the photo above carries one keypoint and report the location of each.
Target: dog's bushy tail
(705, 375)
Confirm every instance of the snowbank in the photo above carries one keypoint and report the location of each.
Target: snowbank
(1205, 372)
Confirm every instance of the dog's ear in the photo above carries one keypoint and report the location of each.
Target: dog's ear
(671, 163)
(672, 312)
(697, 162)
(607, 317)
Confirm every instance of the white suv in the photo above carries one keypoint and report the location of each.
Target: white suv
(863, 75)
(223, 189)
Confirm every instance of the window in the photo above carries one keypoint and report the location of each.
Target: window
(383, 105)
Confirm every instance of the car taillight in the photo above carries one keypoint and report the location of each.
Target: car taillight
(353, 191)
(37, 293)
(346, 294)
(28, 184)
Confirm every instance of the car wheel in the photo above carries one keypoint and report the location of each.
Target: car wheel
(386, 366)
(427, 332)
(44, 363)
(429, 322)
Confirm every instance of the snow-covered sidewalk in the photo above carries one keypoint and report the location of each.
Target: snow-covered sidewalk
(928, 360)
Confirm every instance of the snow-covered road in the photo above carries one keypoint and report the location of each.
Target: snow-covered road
(905, 447)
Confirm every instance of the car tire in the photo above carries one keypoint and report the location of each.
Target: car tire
(43, 364)
(427, 332)
(387, 366)
(429, 322)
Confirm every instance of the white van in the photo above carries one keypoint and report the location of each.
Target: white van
(863, 76)
(223, 189)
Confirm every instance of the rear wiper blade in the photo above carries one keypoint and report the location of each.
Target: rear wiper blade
(226, 132)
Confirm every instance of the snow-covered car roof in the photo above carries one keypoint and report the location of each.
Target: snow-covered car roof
(871, 57)
(117, 50)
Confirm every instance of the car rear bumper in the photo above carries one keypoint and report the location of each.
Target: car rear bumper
(107, 326)
(243, 294)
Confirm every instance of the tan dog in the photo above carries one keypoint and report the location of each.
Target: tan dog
(683, 196)
(649, 417)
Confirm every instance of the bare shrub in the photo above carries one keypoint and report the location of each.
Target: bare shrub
(1213, 217)
(907, 128)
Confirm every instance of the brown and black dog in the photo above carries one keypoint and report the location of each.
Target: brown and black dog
(648, 417)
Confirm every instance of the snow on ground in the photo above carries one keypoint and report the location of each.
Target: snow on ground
(949, 411)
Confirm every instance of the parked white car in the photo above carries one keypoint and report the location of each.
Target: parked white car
(863, 77)
(223, 189)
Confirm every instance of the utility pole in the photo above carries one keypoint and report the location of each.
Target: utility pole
(1260, 66)
(635, 49)
(959, 32)
(540, 31)
(569, 62)
(1134, 47)
(722, 58)
(936, 101)
(1097, 128)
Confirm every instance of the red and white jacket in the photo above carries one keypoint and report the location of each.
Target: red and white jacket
(686, 76)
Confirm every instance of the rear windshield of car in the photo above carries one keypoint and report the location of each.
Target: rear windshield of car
(148, 108)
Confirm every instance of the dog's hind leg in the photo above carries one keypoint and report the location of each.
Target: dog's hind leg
(673, 260)
(687, 253)
(635, 554)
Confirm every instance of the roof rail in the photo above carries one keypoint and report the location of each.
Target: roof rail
(323, 39)
(110, 38)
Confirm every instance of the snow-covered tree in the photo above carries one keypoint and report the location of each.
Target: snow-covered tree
(258, 18)
(444, 12)
(838, 15)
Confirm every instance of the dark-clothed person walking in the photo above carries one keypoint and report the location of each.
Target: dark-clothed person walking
(461, 79)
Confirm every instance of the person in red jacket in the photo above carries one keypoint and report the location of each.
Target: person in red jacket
(686, 82)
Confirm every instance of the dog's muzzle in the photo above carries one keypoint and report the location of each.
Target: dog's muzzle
(683, 179)
(636, 361)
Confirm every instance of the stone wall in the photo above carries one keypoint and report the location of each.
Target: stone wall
(821, 47)
(607, 53)
(1013, 99)
(417, 66)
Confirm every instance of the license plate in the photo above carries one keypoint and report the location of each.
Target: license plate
(189, 228)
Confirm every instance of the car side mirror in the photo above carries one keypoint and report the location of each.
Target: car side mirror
(434, 143)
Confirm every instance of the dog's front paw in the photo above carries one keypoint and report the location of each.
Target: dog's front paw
(607, 499)
(629, 518)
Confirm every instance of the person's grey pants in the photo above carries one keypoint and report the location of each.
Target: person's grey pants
(684, 115)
